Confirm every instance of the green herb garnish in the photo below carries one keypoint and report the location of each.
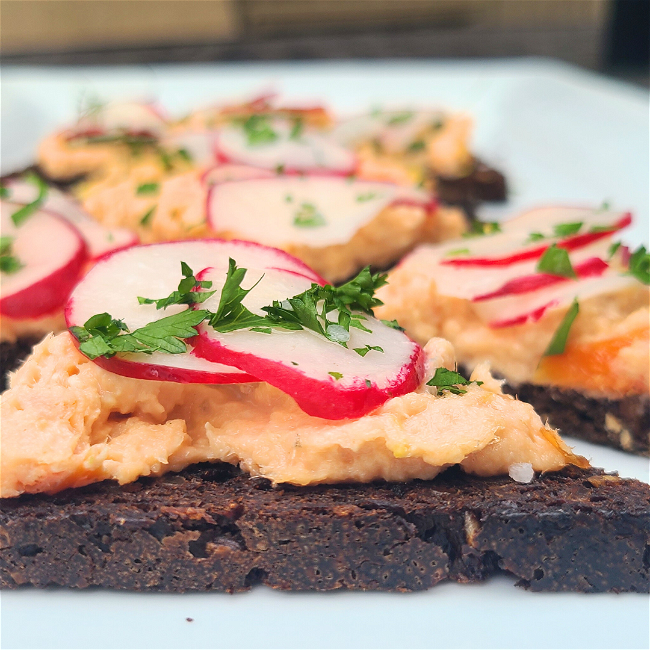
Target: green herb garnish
(146, 217)
(8, 263)
(566, 229)
(184, 154)
(189, 292)
(336, 375)
(457, 251)
(4, 192)
(417, 145)
(259, 131)
(606, 228)
(611, 251)
(297, 129)
(558, 342)
(26, 211)
(147, 188)
(480, 228)
(308, 217)
(400, 118)
(367, 348)
(279, 169)
(449, 380)
(368, 196)
(640, 265)
(104, 336)
(534, 236)
(392, 323)
(555, 261)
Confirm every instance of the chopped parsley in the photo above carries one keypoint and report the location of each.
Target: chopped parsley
(26, 211)
(392, 323)
(558, 342)
(449, 380)
(259, 131)
(368, 383)
(555, 261)
(189, 292)
(103, 335)
(457, 251)
(147, 188)
(606, 228)
(534, 236)
(308, 217)
(336, 375)
(640, 265)
(400, 118)
(611, 251)
(279, 169)
(297, 129)
(416, 145)
(367, 348)
(368, 196)
(567, 229)
(8, 263)
(288, 198)
(184, 154)
(146, 217)
(480, 228)
(4, 192)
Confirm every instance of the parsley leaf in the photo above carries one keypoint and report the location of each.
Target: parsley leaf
(566, 229)
(188, 292)
(147, 188)
(368, 196)
(336, 375)
(364, 350)
(308, 217)
(26, 211)
(400, 118)
(103, 335)
(259, 131)
(457, 251)
(417, 145)
(449, 380)
(558, 342)
(555, 261)
(146, 217)
(480, 228)
(640, 265)
(8, 263)
(534, 236)
(4, 192)
(611, 251)
(297, 129)
(392, 323)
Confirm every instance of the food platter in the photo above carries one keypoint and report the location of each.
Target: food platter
(559, 134)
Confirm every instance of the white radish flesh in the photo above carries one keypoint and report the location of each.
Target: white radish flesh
(115, 282)
(308, 152)
(326, 379)
(315, 210)
(52, 253)
(99, 239)
(122, 117)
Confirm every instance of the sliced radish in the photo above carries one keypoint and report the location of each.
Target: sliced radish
(52, 253)
(99, 239)
(116, 281)
(315, 210)
(394, 129)
(284, 149)
(132, 118)
(223, 173)
(326, 379)
(592, 219)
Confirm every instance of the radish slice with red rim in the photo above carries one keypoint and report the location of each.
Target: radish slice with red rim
(99, 239)
(115, 282)
(314, 210)
(121, 118)
(49, 254)
(223, 173)
(281, 144)
(326, 379)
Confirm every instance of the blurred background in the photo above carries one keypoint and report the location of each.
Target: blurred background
(609, 36)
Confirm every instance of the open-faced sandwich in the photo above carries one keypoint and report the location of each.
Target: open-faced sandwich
(237, 354)
(555, 304)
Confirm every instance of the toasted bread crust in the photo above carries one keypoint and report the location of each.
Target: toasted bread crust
(213, 528)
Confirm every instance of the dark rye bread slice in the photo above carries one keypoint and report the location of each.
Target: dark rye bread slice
(213, 528)
(12, 355)
(621, 423)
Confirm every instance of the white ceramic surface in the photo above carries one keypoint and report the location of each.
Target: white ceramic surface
(559, 134)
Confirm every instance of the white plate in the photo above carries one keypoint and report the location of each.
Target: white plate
(559, 134)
